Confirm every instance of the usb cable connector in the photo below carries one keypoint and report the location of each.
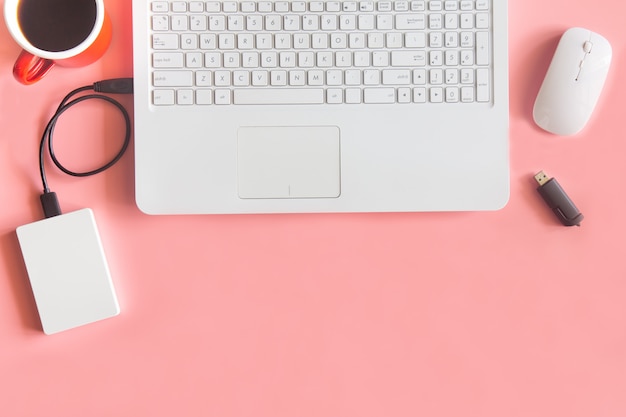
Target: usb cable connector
(50, 204)
(556, 198)
(114, 86)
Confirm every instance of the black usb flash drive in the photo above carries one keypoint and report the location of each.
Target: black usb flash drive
(560, 203)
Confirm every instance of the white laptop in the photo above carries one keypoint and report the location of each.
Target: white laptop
(320, 106)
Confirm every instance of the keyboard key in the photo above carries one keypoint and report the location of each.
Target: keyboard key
(371, 77)
(248, 6)
(189, 41)
(260, 78)
(316, 6)
(418, 6)
(435, 5)
(222, 78)
(172, 78)
(279, 78)
(352, 77)
(163, 97)
(467, 5)
(379, 95)
(467, 57)
(349, 6)
(281, 6)
(452, 95)
(467, 94)
(482, 4)
(217, 23)
(419, 95)
(419, 76)
(482, 48)
(180, 23)
(396, 77)
(213, 6)
(347, 22)
(483, 85)
(235, 22)
(265, 6)
(298, 6)
(159, 6)
(167, 60)
(451, 21)
(164, 41)
(204, 97)
(254, 23)
(353, 95)
(160, 23)
(436, 95)
(467, 76)
(279, 96)
(366, 22)
(404, 95)
(229, 6)
(384, 22)
(196, 7)
(334, 96)
(203, 78)
(451, 5)
(223, 97)
(467, 21)
(482, 20)
(384, 6)
(333, 6)
(436, 76)
(184, 97)
(410, 22)
(329, 22)
(179, 6)
(310, 22)
(401, 6)
(241, 78)
(435, 21)
(366, 6)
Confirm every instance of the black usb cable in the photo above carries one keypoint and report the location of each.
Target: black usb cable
(49, 200)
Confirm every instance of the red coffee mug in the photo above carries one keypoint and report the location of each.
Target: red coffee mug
(69, 33)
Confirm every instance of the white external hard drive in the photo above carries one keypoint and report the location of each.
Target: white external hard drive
(68, 271)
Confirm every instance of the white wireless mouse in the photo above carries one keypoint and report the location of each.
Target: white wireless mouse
(573, 83)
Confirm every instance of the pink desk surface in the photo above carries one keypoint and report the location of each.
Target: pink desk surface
(499, 314)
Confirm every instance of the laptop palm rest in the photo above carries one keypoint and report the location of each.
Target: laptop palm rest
(288, 162)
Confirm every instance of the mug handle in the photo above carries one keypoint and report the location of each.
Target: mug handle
(29, 68)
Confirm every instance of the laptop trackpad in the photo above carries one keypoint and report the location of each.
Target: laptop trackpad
(288, 162)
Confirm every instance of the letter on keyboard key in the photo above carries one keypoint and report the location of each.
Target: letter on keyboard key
(173, 78)
(379, 95)
(279, 96)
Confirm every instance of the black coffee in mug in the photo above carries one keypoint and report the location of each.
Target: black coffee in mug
(56, 25)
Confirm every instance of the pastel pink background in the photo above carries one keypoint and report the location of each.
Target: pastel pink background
(427, 314)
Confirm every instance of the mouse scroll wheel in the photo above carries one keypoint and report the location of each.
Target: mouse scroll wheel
(587, 46)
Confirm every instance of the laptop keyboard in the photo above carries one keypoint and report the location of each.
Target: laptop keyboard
(316, 52)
